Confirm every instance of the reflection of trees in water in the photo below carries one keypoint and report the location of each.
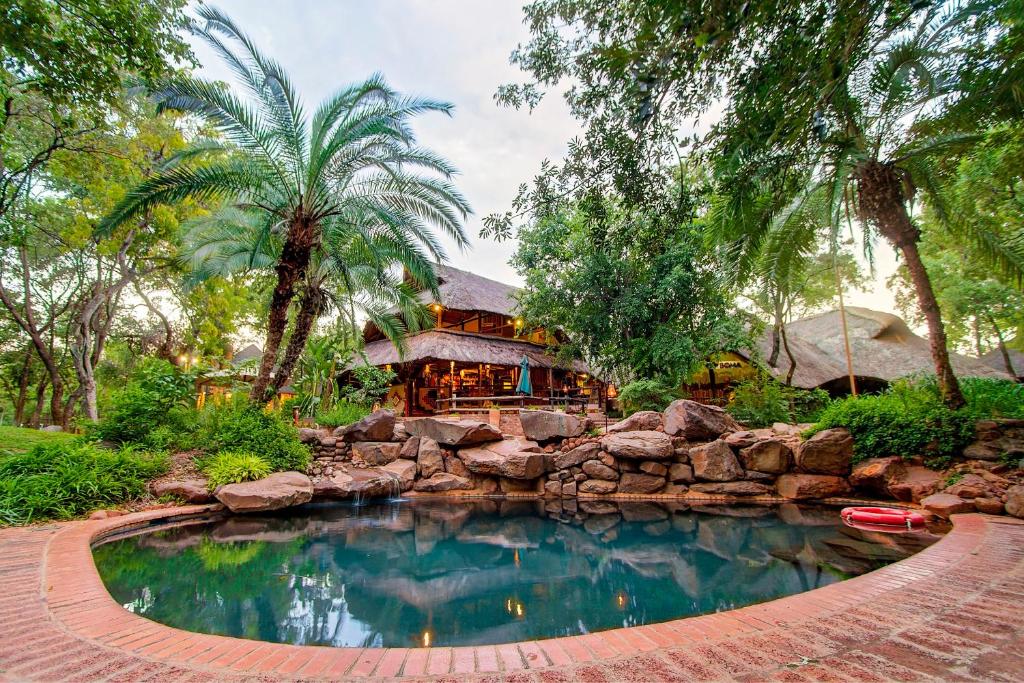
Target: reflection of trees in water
(479, 572)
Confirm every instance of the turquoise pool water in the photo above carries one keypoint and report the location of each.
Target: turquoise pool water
(462, 573)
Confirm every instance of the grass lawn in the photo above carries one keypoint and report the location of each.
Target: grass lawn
(19, 439)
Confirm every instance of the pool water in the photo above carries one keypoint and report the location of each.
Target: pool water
(465, 573)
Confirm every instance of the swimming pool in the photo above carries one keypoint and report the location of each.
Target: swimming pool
(432, 572)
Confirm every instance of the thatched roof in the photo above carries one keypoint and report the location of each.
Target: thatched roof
(994, 359)
(248, 353)
(462, 290)
(463, 347)
(883, 347)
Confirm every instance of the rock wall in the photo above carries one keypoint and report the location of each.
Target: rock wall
(689, 451)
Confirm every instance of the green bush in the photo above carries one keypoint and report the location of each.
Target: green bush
(762, 401)
(371, 384)
(908, 419)
(64, 480)
(234, 467)
(152, 409)
(989, 398)
(244, 427)
(646, 394)
(343, 413)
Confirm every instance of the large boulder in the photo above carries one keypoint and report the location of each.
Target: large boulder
(510, 458)
(430, 458)
(875, 474)
(404, 470)
(279, 490)
(453, 432)
(807, 486)
(376, 453)
(377, 426)
(309, 436)
(830, 451)
(915, 483)
(545, 425)
(597, 486)
(443, 481)
(598, 470)
(577, 456)
(696, 421)
(945, 504)
(715, 461)
(411, 448)
(644, 445)
(968, 487)
(194, 491)
(678, 473)
(732, 488)
(770, 456)
(643, 421)
(372, 482)
(1015, 501)
(635, 482)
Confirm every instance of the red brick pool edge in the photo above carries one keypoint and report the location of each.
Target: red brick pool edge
(953, 611)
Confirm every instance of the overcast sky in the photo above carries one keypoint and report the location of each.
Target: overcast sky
(455, 50)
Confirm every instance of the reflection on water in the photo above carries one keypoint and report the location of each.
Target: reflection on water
(459, 573)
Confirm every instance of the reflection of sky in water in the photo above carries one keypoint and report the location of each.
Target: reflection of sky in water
(459, 573)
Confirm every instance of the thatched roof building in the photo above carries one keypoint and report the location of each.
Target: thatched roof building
(464, 347)
(883, 348)
(472, 355)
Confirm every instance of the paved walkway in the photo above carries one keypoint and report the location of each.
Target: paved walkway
(952, 612)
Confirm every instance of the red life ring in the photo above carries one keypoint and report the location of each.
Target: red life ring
(887, 518)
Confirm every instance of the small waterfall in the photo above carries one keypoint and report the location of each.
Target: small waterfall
(394, 484)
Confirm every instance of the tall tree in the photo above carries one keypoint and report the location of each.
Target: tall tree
(636, 290)
(60, 280)
(857, 97)
(355, 157)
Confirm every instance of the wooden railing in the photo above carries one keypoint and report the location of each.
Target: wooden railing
(458, 403)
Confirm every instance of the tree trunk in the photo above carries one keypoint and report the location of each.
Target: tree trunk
(37, 412)
(1002, 348)
(23, 380)
(789, 354)
(773, 359)
(882, 202)
(291, 268)
(309, 311)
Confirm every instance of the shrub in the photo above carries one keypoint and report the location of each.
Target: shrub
(371, 384)
(244, 427)
(987, 397)
(64, 480)
(158, 395)
(234, 467)
(646, 394)
(343, 413)
(908, 419)
(763, 401)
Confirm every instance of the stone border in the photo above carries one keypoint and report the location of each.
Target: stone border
(75, 597)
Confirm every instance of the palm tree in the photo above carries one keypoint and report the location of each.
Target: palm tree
(882, 141)
(355, 159)
(358, 266)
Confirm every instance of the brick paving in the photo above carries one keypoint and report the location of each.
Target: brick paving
(952, 612)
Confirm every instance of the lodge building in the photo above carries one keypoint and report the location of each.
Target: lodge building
(472, 356)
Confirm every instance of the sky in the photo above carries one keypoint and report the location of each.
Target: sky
(454, 50)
